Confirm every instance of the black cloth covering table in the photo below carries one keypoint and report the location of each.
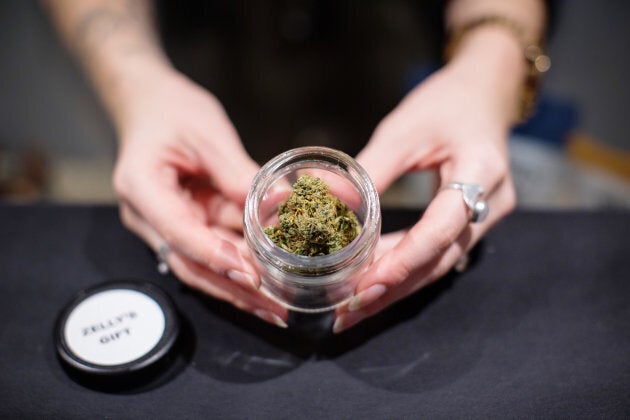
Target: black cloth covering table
(539, 326)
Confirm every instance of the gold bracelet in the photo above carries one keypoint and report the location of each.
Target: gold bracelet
(535, 58)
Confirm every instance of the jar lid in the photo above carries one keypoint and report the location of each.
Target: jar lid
(119, 328)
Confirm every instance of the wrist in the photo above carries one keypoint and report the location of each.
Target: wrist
(530, 42)
(124, 82)
(491, 59)
(120, 54)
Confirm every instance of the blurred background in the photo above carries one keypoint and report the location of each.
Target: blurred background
(298, 72)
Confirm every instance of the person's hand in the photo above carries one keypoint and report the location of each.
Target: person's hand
(457, 123)
(182, 176)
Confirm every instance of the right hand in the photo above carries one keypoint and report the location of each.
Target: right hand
(182, 175)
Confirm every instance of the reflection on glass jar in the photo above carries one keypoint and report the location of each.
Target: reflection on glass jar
(318, 283)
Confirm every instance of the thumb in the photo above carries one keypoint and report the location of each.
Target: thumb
(386, 156)
(229, 166)
(233, 176)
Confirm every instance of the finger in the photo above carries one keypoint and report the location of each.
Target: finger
(138, 226)
(172, 221)
(194, 275)
(386, 163)
(443, 221)
(502, 202)
(247, 300)
(439, 227)
(155, 193)
(388, 241)
(384, 168)
(427, 251)
(217, 209)
(230, 167)
(376, 298)
(445, 260)
(366, 305)
(413, 259)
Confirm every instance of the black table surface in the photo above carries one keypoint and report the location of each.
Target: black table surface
(539, 326)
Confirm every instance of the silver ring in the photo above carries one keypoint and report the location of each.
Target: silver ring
(470, 193)
(162, 264)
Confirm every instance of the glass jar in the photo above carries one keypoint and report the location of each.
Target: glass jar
(305, 283)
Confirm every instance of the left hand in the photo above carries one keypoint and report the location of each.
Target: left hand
(456, 122)
(182, 176)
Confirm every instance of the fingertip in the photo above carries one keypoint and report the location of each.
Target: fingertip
(271, 318)
(236, 182)
(243, 278)
(347, 320)
(366, 297)
(382, 167)
(388, 271)
(235, 265)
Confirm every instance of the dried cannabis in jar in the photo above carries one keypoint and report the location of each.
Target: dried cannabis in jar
(312, 221)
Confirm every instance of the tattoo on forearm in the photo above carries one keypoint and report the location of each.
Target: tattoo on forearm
(98, 25)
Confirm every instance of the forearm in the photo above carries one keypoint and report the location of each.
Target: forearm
(116, 44)
(494, 52)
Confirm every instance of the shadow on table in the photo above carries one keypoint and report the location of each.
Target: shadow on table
(401, 349)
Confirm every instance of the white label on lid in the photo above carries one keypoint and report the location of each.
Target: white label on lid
(114, 327)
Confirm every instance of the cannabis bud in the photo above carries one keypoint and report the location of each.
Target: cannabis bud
(312, 221)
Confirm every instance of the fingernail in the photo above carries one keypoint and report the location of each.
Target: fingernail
(245, 279)
(366, 297)
(347, 320)
(338, 325)
(270, 317)
(230, 253)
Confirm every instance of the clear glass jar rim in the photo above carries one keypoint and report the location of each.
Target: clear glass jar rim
(271, 171)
